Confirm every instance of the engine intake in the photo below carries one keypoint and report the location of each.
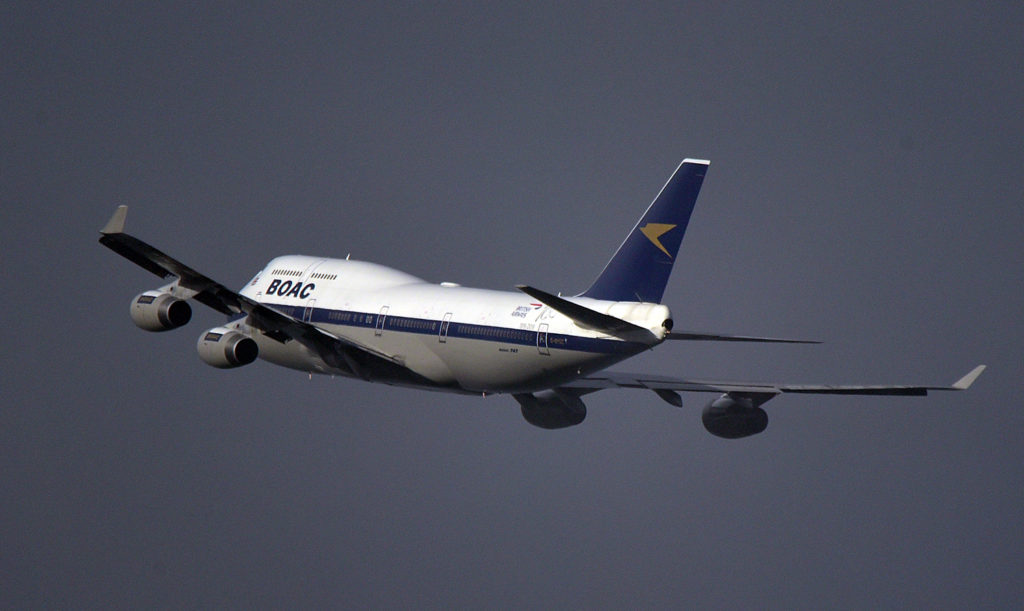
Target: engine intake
(734, 417)
(226, 348)
(159, 311)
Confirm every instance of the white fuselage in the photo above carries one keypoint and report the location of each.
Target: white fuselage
(443, 336)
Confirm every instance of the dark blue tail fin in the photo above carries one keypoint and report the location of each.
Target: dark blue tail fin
(639, 270)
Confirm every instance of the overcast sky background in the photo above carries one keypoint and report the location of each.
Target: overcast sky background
(866, 189)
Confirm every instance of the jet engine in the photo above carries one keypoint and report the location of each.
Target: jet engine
(552, 409)
(159, 311)
(733, 416)
(226, 348)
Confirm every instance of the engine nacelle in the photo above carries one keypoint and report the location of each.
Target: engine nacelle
(225, 348)
(551, 409)
(159, 311)
(733, 417)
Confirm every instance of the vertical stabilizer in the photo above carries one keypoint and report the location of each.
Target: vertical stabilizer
(640, 268)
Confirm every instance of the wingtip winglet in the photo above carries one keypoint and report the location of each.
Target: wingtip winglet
(116, 222)
(965, 382)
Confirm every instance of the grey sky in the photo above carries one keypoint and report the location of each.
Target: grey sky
(866, 189)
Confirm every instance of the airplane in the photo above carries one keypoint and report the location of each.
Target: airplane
(362, 320)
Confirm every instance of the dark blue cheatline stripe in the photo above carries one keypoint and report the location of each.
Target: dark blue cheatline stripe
(426, 326)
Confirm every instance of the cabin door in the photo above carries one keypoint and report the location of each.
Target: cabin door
(542, 339)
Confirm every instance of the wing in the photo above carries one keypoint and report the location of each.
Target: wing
(761, 392)
(335, 351)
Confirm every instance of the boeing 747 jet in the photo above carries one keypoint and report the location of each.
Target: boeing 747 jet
(362, 320)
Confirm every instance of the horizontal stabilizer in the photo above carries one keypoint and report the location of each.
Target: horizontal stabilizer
(592, 319)
(714, 337)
